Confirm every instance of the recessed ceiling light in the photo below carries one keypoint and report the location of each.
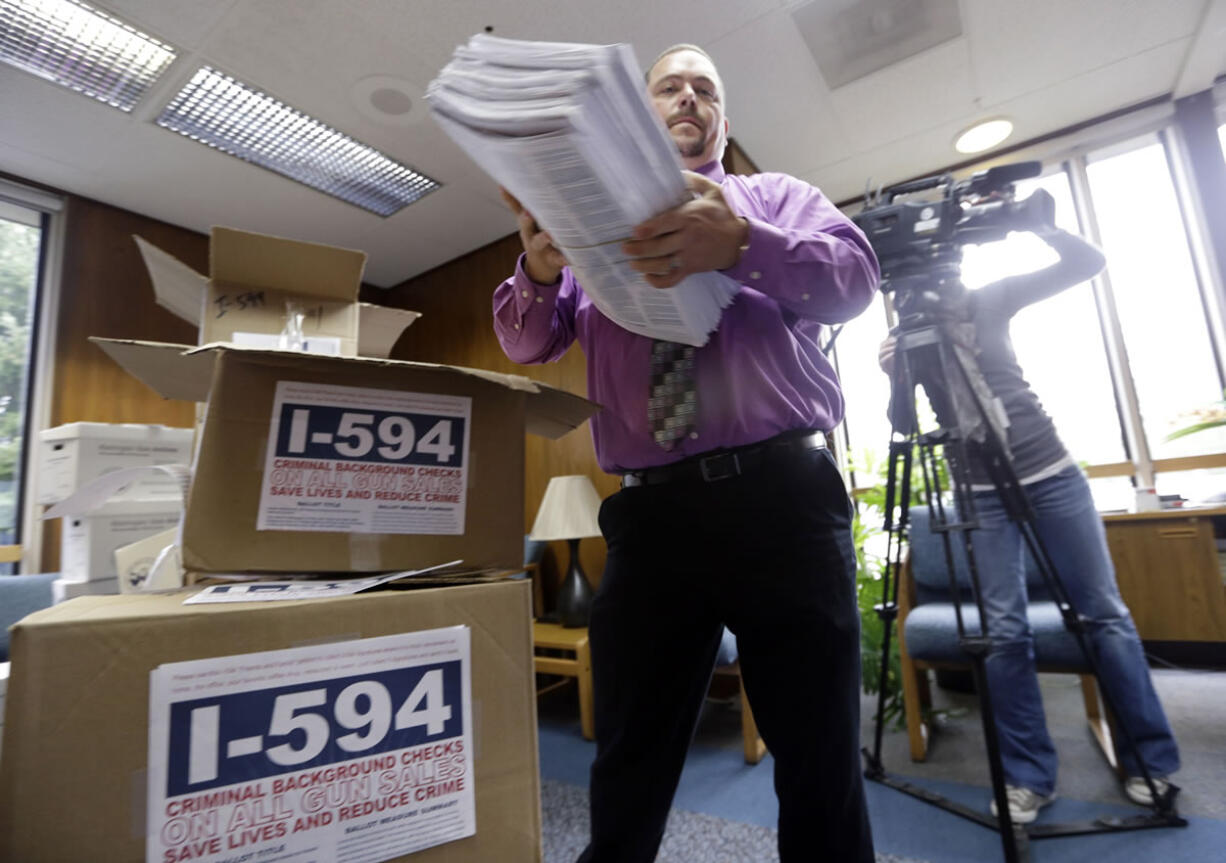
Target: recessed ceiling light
(226, 114)
(983, 135)
(77, 46)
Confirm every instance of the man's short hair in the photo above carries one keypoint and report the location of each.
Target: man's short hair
(673, 49)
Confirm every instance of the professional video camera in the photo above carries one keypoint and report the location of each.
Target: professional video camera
(919, 243)
(919, 249)
(978, 210)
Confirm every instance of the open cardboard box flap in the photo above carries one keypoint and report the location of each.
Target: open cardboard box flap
(241, 259)
(186, 372)
(379, 327)
(244, 261)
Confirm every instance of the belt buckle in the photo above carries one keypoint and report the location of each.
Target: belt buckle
(712, 467)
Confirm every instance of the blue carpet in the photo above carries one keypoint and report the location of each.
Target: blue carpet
(716, 781)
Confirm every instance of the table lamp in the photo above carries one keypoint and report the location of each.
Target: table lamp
(569, 511)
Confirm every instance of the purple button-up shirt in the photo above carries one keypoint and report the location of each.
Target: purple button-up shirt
(760, 373)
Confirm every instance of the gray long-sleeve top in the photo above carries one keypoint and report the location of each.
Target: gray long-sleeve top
(1033, 441)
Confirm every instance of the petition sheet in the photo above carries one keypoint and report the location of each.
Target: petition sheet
(568, 130)
(353, 752)
(364, 460)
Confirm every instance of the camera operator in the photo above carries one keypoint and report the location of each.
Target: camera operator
(1072, 531)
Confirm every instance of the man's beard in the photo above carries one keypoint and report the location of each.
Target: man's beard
(691, 149)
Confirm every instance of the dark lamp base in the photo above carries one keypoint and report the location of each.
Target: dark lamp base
(574, 605)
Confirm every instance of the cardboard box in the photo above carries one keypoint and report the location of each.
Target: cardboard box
(251, 279)
(73, 764)
(292, 442)
(63, 590)
(152, 563)
(71, 455)
(88, 542)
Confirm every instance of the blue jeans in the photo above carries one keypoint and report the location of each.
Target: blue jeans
(1072, 531)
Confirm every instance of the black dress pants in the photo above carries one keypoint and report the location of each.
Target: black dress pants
(770, 554)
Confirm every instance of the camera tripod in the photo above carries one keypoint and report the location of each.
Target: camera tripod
(926, 354)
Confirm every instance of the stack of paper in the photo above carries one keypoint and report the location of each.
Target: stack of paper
(567, 129)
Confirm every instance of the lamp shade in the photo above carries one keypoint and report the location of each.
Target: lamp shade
(569, 510)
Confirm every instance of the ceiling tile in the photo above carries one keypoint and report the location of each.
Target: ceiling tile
(916, 94)
(1047, 63)
(1018, 48)
(1035, 114)
(184, 23)
(779, 109)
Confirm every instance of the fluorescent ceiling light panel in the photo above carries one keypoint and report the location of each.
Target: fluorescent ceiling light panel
(81, 48)
(228, 115)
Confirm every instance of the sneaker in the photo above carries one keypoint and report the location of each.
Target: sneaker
(1024, 804)
(1137, 790)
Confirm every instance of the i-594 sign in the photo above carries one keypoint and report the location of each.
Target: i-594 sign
(222, 740)
(330, 432)
(363, 460)
(355, 752)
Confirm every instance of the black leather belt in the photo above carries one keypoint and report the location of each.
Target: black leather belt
(726, 463)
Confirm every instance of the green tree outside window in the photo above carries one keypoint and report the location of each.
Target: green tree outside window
(19, 247)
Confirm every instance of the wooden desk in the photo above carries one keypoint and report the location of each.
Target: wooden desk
(574, 641)
(1166, 564)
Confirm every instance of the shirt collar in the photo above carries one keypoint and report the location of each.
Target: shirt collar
(713, 170)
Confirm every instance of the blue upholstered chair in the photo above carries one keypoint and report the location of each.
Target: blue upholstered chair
(928, 632)
(20, 595)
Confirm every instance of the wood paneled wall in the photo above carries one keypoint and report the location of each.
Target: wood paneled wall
(456, 327)
(105, 291)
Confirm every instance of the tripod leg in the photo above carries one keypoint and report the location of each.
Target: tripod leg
(1014, 840)
(1017, 505)
(887, 610)
(934, 364)
(977, 648)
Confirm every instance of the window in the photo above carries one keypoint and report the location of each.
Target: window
(1157, 296)
(1058, 336)
(1120, 362)
(21, 234)
(866, 393)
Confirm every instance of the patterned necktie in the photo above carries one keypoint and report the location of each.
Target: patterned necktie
(673, 400)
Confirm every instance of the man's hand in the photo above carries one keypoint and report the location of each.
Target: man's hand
(543, 262)
(699, 235)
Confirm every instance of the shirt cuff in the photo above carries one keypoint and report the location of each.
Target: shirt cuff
(529, 294)
(766, 245)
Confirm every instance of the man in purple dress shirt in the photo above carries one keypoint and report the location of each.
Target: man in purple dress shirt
(744, 521)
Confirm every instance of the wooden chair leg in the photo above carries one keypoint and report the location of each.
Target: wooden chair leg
(587, 706)
(915, 697)
(1100, 722)
(755, 747)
